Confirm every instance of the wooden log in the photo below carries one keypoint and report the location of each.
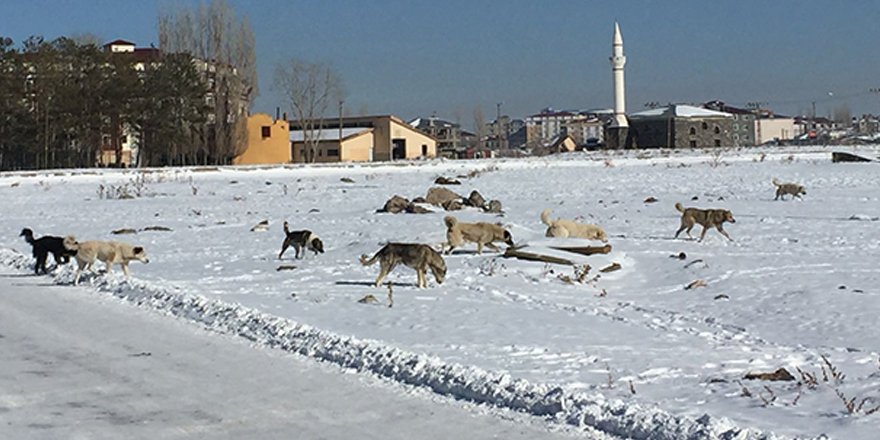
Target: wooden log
(584, 250)
(530, 256)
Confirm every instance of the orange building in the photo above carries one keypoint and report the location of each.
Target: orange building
(268, 141)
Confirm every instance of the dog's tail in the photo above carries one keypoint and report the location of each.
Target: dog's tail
(450, 221)
(775, 182)
(369, 261)
(545, 217)
(679, 207)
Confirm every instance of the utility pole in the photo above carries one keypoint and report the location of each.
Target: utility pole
(498, 124)
(340, 126)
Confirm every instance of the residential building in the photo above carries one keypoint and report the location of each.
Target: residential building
(774, 128)
(585, 127)
(681, 126)
(447, 134)
(363, 138)
(744, 128)
(268, 141)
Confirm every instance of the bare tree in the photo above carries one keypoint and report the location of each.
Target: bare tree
(225, 48)
(309, 89)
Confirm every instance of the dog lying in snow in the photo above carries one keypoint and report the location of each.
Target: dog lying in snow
(45, 245)
(562, 228)
(109, 252)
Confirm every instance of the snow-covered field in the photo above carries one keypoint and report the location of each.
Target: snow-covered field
(632, 353)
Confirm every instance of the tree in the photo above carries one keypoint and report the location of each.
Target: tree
(172, 113)
(309, 89)
(225, 48)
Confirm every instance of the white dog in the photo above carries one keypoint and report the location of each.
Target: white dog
(110, 252)
(561, 228)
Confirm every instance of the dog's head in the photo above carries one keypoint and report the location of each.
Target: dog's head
(450, 221)
(439, 270)
(26, 232)
(601, 236)
(70, 244)
(727, 216)
(316, 244)
(139, 254)
(801, 190)
(508, 238)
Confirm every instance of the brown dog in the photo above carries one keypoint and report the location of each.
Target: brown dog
(481, 233)
(414, 255)
(792, 189)
(704, 217)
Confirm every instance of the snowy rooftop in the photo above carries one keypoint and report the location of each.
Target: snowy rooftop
(329, 134)
(680, 110)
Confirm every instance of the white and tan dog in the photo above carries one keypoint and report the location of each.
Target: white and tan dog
(109, 252)
(792, 189)
(562, 228)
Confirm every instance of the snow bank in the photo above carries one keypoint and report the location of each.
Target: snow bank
(586, 410)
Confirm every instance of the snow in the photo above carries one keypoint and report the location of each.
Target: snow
(799, 282)
(685, 111)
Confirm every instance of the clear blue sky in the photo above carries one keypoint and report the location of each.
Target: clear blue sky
(414, 58)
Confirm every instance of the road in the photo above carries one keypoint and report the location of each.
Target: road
(79, 365)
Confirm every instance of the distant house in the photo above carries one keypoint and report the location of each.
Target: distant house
(681, 126)
(447, 134)
(363, 138)
(584, 127)
(774, 128)
(744, 123)
(268, 141)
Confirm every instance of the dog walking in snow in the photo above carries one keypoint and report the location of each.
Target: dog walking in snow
(420, 257)
(109, 252)
(303, 239)
(707, 218)
(792, 189)
(45, 245)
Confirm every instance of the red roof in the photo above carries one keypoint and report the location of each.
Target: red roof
(119, 43)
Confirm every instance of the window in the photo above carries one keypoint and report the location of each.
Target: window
(736, 137)
(266, 131)
(693, 144)
(705, 126)
(717, 130)
(693, 131)
(717, 142)
(334, 152)
(736, 126)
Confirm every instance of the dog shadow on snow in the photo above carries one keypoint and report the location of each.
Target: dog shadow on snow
(373, 283)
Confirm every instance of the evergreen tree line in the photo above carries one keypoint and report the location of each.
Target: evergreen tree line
(61, 100)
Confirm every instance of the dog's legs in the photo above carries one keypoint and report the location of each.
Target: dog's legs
(723, 232)
(125, 269)
(384, 269)
(284, 247)
(41, 262)
(479, 247)
(420, 274)
(79, 269)
(298, 249)
(702, 234)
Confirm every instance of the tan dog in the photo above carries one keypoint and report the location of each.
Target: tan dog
(707, 218)
(792, 189)
(561, 228)
(420, 257)
(109, 252)
(481, 233)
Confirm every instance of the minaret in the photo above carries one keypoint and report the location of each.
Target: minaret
(617, 132)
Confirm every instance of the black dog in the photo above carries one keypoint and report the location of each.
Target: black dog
(43, 246)
(300, 240)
